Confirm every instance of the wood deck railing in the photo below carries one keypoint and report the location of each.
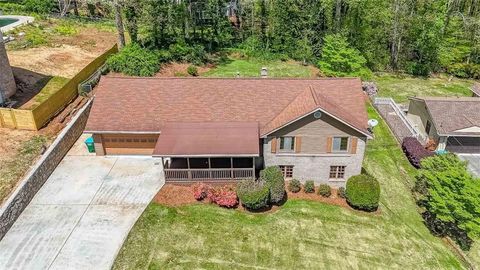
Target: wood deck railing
(208, 174)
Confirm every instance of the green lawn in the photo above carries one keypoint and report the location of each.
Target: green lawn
(252, 67)
(301, 235)
(402, 87)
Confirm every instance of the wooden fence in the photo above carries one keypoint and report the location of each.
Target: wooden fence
(39, 116)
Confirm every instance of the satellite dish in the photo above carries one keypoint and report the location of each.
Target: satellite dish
(317, 114)
(372, 123)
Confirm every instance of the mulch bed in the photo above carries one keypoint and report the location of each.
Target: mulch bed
(178, 195)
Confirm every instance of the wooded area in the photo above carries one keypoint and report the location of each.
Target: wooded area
(416, 36)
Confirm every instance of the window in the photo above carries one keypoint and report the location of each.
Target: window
(337, 172)
(428, 126)
(287, 171)
(287, 144)
(340, 144)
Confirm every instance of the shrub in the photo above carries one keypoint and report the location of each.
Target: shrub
(324, 190)
(224, 196)
(341, 192)
(66, 29)
(134, 60)
(39, 6)
(254, 195)
(294, 186)
(309, 187)
(200, 191)
(414, 151)
(182, 52)
(273, 177)
(363, 192)
(192, 70)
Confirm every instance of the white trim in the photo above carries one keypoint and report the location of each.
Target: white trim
(213, 155)
(315, 155)
(307, 114)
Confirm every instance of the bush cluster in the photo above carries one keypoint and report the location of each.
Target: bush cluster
(134, 60)
(39, 6)
(192, 70)
(363, 192)
(324, 190)
(200, 191)
(414, 151)
(341, 192)
(294, 186)
(183, 52)
(309, 187)
(253, 194)
(273, 178)
(224, 196)
(465, 70)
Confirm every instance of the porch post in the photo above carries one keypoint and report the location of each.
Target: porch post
(253, 167)
(231, 168)
(209, 168)
(189, 172)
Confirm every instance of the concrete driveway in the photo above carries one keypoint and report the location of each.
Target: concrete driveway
(81, 216)
(473, 162)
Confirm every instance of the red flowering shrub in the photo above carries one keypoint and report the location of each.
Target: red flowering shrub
(414, 151)
(200, 191)
(224, 196)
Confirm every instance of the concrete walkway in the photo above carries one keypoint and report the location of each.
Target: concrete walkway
(81, 216)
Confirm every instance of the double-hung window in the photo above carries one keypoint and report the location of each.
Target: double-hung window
(340, 144)
(287, 144)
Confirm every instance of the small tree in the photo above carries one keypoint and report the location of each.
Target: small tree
(274, 179)
(339, 59)
(451, 194)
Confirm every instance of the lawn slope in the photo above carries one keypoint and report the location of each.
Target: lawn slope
(301, 235)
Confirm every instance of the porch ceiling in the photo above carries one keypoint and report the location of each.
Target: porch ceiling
(208, 139)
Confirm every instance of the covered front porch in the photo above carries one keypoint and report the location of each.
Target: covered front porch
(208, 169)
(208, 151)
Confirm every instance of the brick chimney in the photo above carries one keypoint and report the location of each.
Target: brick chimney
(7, 81)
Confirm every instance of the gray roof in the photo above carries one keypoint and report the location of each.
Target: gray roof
(452, 114)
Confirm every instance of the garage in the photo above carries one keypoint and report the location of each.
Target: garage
(125, 144)
(467, 145)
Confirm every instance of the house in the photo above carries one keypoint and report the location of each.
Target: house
(224, 129)
(452, 122)
(476, 90)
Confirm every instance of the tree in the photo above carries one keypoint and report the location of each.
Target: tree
(451, 193)
(7, 81)
(339, 59)
(119, 24)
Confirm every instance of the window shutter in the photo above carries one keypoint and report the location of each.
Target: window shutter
(353, 145)
(298, 144)
(329, 144)
(274, 145)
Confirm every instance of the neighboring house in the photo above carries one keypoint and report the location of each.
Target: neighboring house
(224, 129)
(453, 123)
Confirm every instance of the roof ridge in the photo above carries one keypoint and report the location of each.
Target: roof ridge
(118, 76)
(315, 98)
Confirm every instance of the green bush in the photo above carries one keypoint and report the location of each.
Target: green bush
(183, 52)
(341, 192)
(309, 187)
(66, 29)
(134, 60)
(324, 190)
(464, 70)
(39, 6)
(363, 192)
(254, 195)
(192, 70)
(294, 186)
(273, 177)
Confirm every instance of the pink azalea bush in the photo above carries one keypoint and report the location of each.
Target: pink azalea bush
(200, 191)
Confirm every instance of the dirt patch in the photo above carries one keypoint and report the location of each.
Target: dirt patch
(10, 142)
(333, 199)
(180, 70)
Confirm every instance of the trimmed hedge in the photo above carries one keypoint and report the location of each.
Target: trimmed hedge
(273, 177)
(324, 190)
(363, 192)
(254, 195)
(309, 187)
(414, 151)
(294, 186)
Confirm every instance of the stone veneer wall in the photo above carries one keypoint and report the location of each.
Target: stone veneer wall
(42, 169)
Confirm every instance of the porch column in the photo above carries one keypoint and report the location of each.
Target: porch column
(253, 167)
(231, 168)
(210, 168)
(189, 172)
(442, 143)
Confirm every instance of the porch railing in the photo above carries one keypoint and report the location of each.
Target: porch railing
(208, 174)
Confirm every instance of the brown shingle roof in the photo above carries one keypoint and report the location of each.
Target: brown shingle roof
(476, 89)
(450, 114)
(131, 104)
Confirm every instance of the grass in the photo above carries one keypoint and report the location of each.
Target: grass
(11, 170)
(400, 87)
(252, 67)
(301, 235)
(51, 86)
